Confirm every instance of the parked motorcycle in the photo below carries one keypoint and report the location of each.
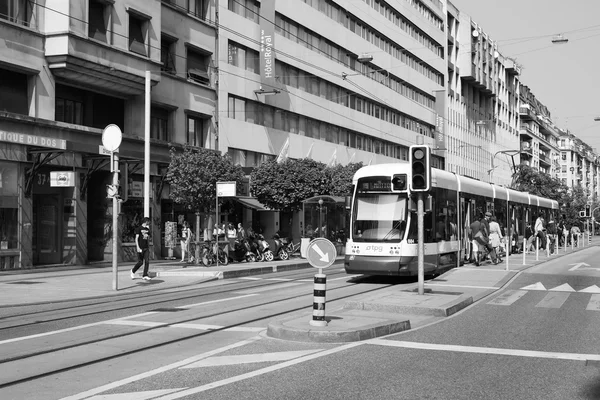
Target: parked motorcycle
(279, 248)
(242, 251)
(265, 253)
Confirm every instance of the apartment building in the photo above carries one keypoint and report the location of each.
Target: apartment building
(539, 136)
(579, 164)
(483, 113)
(339, 82)
(67, 70)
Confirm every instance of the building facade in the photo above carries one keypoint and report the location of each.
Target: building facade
(339, 82)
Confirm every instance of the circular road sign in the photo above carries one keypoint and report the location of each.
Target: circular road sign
(111, 137)
(321, 253)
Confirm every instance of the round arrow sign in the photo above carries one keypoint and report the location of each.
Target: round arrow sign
(321, 253)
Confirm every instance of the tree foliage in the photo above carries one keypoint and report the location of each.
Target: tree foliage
(283, 186)
(341, 178)
(193, 174)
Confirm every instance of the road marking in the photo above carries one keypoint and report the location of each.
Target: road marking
(486, 350)
(535, 286)
(205, 327)
(507, 298)
(579, 265)
(594, 303)
(216, 301)
(463, 286)
(591, 289)
(152, 394)
(266, 288)
(144, 375)
(250, 358)
(135, 323)
(553, 300)
(565, 287)
(259, 372)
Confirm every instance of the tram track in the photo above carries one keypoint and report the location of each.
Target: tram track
(74, 346)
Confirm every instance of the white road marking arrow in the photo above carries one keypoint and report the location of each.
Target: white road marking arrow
(324, 256)
(565, 287)
(579, 265)
(591, 289)
(535, 286)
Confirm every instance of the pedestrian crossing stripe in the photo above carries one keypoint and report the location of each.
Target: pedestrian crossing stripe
(151, 394)
(250, 358)
(591, 289)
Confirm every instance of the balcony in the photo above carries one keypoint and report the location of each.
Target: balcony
(97, 66)
(526, 130)
(512, 67)
(544, 159)
(526, 113)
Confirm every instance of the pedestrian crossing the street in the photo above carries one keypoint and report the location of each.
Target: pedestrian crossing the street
(555, 297)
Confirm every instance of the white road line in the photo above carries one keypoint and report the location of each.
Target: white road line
(487, 350)
(250, 358)
(507, 298)
(135, 323)
(259, 372)
(205, 327)
(112, 321)
(144, 375)
(463, 286)
(255, 291)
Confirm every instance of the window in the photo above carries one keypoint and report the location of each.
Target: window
(138, 32)
(167, 54)
(197, 66)
(69, 111)
(198, 8)
(196, 132)
(99, 16)
(15, 11)
(13, 92)
(9, 206)
(159, 124)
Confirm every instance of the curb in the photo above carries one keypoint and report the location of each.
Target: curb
(285, 330)
(444, 311)
(237, 273)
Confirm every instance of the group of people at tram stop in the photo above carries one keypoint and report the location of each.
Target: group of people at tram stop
(486, 238)
(229, 233)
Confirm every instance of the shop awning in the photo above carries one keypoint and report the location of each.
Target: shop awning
(252, 203)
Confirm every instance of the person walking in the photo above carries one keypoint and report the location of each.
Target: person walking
(473, 230)
(551, 234)
(530, 238)
(484, 238)
(495, 236)
(186, 236)
(142, 239)
(539, 229)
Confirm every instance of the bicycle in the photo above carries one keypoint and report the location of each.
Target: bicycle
(292, 248)
(208, 256)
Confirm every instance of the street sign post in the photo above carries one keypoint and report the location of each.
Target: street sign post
(111, 140)
(223, 189)
(320, 253)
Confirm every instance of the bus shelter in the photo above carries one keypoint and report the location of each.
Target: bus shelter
(326, 217)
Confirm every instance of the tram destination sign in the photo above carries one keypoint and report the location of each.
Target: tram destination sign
(375, 184)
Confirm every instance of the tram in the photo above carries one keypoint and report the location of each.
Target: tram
(383, 225)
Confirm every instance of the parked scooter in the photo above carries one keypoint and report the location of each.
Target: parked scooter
(279, 248)
(242, 251)
(265, 253)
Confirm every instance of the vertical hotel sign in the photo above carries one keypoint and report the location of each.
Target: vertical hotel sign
(267, 41)
(440, 120)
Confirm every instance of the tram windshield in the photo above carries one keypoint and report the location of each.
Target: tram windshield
(379, 217)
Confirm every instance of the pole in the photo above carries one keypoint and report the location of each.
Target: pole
(217, 225)
(147, 148)
(114, 166)
(421, 246)
(524, 249)
(319, 291)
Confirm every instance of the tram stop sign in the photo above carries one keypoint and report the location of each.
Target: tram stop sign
(321, 253)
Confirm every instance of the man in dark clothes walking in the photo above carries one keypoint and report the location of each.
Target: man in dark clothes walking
(142, 237)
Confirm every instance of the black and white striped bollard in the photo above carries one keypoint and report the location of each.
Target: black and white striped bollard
(320, 287)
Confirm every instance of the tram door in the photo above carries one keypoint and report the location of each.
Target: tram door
(47, 244)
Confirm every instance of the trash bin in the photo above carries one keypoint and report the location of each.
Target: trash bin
(303, 246)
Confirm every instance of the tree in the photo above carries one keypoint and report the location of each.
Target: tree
(341, 178)
(193, 175)
(283, 186)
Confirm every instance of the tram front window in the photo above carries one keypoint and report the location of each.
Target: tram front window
(379, 218)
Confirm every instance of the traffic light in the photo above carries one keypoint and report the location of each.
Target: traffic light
(419, 157)
(400, 183)
(588, 210)
(581, 214)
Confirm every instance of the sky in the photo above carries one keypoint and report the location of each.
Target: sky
(563, 77)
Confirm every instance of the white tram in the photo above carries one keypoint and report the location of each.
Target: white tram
(383, 224)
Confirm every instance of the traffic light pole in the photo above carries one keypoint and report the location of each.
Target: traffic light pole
(114, 166)
(421, 245)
